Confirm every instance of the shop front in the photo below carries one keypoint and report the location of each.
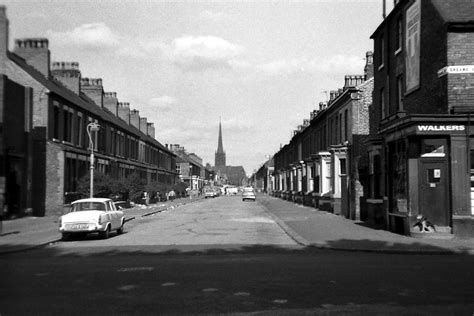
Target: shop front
(428, 168)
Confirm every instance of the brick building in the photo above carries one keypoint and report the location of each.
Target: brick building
(420, 151)
(55, 108)
(323, 163)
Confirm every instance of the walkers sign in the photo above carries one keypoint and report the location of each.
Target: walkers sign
(440, 128)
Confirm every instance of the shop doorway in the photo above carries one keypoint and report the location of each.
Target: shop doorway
(434, 194)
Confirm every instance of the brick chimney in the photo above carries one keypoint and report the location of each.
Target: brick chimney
(68, 74)
(135, 118)
(35, 52)
(111, 102)
(123, 111)
(143, 125)
(151, 129)
(93, 89)
(332, 95)
(3, 38)
(369, 65)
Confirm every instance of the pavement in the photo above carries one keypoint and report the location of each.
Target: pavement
(307, 226)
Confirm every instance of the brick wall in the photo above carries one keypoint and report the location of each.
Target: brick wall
(54, 179)
(461, 86)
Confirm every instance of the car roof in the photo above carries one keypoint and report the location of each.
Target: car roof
(98, 200)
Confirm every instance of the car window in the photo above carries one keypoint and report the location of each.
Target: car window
(248, 189)
(88, 206)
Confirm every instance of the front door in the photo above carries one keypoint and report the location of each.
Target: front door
(434, 194)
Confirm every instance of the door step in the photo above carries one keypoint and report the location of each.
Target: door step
(441, 232)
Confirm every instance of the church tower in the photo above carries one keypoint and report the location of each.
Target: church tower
(220, 154)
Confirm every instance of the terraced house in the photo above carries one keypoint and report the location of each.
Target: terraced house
(323, 165)
(421, 148)
(45, 142)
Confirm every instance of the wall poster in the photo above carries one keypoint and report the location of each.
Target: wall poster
(412, 44)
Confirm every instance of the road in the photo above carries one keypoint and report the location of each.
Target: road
(225, 256)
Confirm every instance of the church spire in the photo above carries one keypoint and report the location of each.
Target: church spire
(220, 147)
(220, 154)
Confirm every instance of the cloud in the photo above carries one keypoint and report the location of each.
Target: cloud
(214, 17)
(96, 36)
(201, 53)
(164, 103)
(36, 15)
(323, 66)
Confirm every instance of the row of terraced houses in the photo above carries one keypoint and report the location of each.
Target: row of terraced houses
(395, 143)
(45, 111)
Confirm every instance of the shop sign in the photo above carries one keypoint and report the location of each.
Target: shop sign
(441, 128)
(464, 69)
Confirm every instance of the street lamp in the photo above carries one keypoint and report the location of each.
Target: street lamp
(92, 127)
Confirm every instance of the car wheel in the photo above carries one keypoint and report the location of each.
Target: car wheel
(120, 230)
(105, 234)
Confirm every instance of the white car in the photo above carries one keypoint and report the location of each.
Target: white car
(248, 194)
(91, 216)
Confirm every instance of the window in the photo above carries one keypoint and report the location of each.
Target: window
(399, 35)
(343, 166)
(79, 129)
(381, 51)
(375, 175)
(400, 92)
(382, 103)
(56, 116)
(346, 125)
(68, 124)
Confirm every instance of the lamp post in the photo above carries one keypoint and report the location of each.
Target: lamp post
(92, 127)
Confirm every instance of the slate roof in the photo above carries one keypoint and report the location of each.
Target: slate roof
(83, 101)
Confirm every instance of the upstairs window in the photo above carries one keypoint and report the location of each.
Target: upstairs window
(400, 92)
(399, 35)
(381, 51)
(383, 110)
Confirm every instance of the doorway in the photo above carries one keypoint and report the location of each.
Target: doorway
(434, 194)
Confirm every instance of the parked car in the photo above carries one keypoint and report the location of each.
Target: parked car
(209, 192)
(248, 193)
(93, 215)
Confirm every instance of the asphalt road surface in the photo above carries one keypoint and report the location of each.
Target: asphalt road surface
(225, 256)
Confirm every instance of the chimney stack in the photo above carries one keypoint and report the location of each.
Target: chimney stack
(93, 89)
(143, 125)
(151, 130)
(35, 52)
(353, 81)
(3, 37)
(369, 65)
(135, 118)
(68, 74)
(123, 111)
(111, 102)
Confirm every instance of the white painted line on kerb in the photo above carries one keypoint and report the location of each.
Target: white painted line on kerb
(135, 269)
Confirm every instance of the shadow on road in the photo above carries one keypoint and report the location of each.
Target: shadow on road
(60, 248)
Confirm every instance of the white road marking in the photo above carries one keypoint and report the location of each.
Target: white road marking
(254, 220)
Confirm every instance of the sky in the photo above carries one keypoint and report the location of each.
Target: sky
(258, 67)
